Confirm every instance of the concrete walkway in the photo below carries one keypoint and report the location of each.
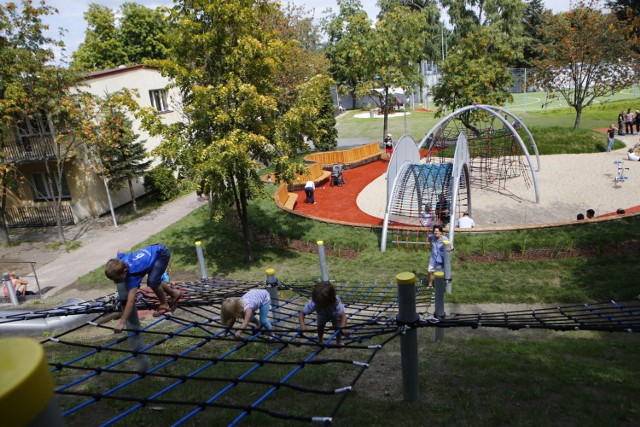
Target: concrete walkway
(104, 244)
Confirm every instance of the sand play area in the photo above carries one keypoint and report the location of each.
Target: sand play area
(569, 184)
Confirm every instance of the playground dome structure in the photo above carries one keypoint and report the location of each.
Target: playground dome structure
(475, 147)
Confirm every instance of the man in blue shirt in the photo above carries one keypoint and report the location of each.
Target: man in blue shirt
(128, 270)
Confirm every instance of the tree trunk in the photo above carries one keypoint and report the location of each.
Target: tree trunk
(246, 235)
(576, 125)
(385, 110)
(4, 231)
(133, 196)
(240, 195)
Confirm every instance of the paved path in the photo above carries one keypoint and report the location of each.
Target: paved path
(105, 243)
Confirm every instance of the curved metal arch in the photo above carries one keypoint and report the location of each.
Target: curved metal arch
(526, 129)
(385, 223)
(492, 110)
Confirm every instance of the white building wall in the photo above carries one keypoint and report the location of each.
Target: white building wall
(143, 80)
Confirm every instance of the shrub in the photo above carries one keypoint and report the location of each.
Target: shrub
(161, 182)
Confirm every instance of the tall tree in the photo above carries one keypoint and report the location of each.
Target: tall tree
(139, 34)
(475, 72)
(533, 29)
(37, 92)
(122, 157)
(300, 52)
(627, 11)
(312, 116)
(393, 54)
(224, 63)
(580, 56)
(143, 32)
(349, 36)
(432, 29)
(504, 15)
(102, 48)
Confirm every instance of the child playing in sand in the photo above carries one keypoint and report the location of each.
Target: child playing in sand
(436, 260)
(128, 270)
(328, 307)
(245, 308)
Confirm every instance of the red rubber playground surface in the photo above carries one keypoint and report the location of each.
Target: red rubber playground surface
(338, 204)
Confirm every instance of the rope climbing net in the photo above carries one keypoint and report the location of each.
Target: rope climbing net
(185, 371)
(496, 155)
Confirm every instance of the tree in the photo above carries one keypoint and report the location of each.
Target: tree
(504, 15)
(349, 36)
(394, 54)
(312, 116)
(102, 48)
(580, 56)
(627, 11)
(140, 34)
(300, 52)
(35, 91)
(431, 14)
(475, 72)
(143, 32)
(224, 62)
(532, 26)
(122, 158)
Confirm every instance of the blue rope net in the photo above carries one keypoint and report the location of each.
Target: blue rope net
(178, 369)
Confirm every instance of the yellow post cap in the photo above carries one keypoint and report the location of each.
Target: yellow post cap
(25, 380)
(439, 275)
(271, 271)
(320, 242)
(406, 278)
(198, 243)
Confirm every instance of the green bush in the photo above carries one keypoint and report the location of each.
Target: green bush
(161, 182)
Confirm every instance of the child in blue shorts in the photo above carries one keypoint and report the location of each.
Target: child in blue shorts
(128, 270)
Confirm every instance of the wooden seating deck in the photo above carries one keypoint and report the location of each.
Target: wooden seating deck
(351, 158)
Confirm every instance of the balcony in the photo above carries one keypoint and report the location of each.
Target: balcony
(30, 149)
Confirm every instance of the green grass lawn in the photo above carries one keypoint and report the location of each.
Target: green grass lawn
(552, 130)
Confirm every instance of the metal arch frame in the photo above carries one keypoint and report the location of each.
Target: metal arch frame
(461, 160)
(385, 222)
(460, 168)
(493, 110)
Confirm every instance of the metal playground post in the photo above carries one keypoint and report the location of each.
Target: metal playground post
(409, 339)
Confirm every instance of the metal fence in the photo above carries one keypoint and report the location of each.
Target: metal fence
(37, 216)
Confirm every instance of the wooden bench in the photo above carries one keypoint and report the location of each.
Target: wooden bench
(314, 173)
(291, 200)
(284, 199)
(351, 158)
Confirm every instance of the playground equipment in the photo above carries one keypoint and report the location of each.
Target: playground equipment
(198, 377)
(194, 374)
(620, 176)
(478, 146)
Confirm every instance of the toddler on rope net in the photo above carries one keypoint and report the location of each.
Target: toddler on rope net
(328, 307)
(245, 308)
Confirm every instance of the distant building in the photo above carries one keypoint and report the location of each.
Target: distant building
(84, 194)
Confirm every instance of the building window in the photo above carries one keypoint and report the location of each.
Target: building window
(42, 189)
(159, 99)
